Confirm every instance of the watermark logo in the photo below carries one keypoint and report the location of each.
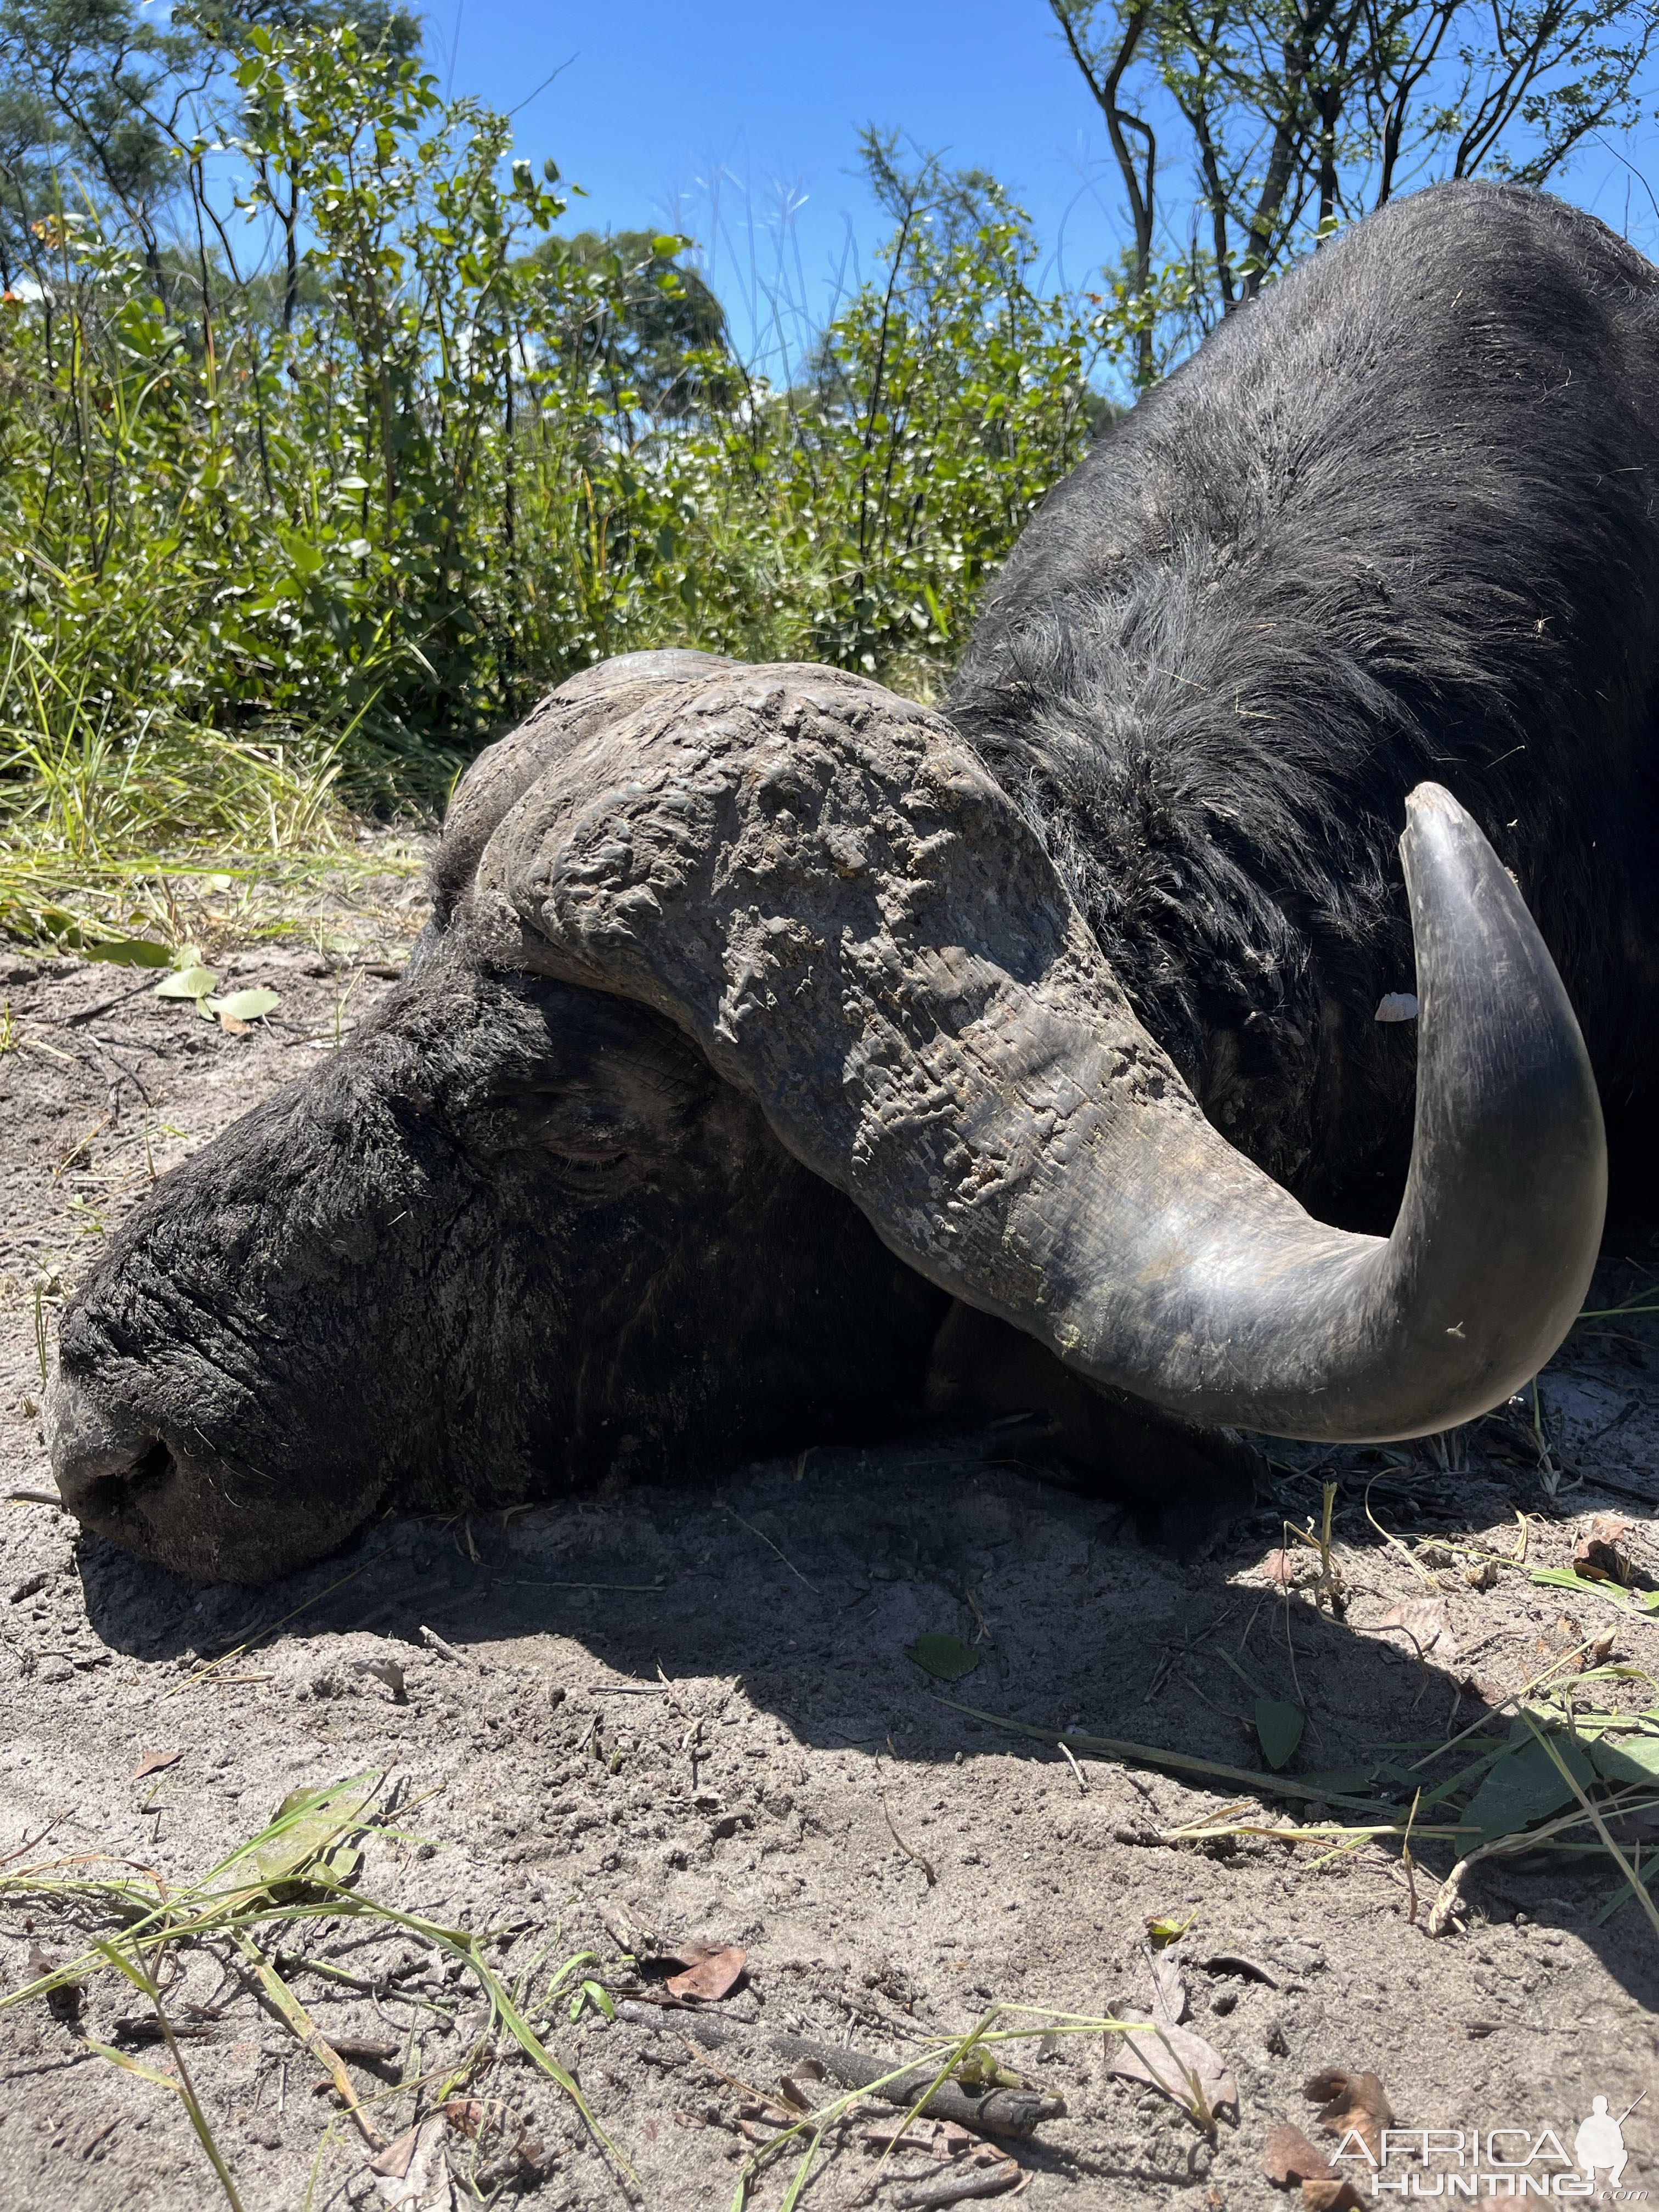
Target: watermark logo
(1474, 2163)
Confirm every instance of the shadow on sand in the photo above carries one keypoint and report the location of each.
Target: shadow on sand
(809, 1581)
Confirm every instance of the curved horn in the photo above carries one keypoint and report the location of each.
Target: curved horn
(823, 885)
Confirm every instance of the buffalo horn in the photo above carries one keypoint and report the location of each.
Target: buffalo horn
(823, 885)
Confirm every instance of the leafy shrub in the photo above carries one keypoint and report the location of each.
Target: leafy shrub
(314, 529)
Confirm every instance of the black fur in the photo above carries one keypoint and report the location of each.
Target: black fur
(1396, 521)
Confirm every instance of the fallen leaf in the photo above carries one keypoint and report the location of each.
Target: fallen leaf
(1597, 1555)
(1482, 1576)
(946, 1658)
(318, 1821)
(711, 1977)
(1336, 2195)
(412, 2174)
(1628, 1759)
(1167, 1930)
(1169, 1989)
(1278, 1729)
(1350, 2104)
(244, 1007)
(231, 1026)
(128, 952)
(1279, 1568)
(152, 1762)
(1526, 1785)
(187, 983)
(1564, 1634)
(1181, 2064)
(1289, 2158)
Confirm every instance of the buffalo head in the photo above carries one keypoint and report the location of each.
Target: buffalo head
(753, 1020)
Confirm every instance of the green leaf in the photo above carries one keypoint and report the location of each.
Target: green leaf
(1279, 1729)
(246, 1005)
(1339, 1780)
(130, 952)
(1565, 1579)
(1630, 1759)
(188, 983)
(1524, 1786)
(946, 1658)
(307, 1829)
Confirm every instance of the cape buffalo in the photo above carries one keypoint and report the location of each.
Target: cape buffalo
(778, 1048)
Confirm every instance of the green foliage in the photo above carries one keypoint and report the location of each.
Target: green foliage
(270, 537)
(1277, 122)
(648, 325)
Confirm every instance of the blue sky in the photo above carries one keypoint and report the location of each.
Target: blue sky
(708, 118)
(656, 103)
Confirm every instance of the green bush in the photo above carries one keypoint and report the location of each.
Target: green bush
(272, 538)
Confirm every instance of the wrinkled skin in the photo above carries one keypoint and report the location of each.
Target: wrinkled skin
(473, 1258)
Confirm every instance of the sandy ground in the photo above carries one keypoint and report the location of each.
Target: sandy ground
(692, 1716)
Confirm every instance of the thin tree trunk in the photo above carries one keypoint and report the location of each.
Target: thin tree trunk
(1138, 173)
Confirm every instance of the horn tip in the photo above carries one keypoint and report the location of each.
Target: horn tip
(1433, 799)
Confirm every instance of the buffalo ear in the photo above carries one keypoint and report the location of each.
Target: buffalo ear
(503, 771)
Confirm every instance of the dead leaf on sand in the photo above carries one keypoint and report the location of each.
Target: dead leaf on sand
(152, 1762)
(1181, 2064)
(1563, 1635)
(1166, 1929)
(1289, 2158)
(1336, 2195)
(1350, 2104)
(1168, 1988)
(1279, 1568)
(412, 2174)
(1599, 1555)
(715, 1975)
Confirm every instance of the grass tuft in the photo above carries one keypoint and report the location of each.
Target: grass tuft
(298, 1865)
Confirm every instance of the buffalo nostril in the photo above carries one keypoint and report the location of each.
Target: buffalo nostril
(104, 1486)
(107, 1463)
